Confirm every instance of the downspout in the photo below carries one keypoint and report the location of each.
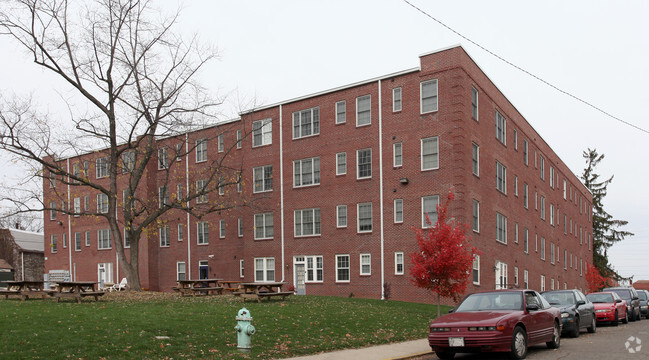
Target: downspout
(281, 188)
(188, 266)
(69, 223)
(22, 264)
(381, 193)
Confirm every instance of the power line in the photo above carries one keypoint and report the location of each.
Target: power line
(525, 71)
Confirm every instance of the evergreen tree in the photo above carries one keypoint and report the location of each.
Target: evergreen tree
(605, 228)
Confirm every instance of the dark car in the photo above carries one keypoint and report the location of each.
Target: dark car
(644, 303)
(577, 312)
(501, 320)
(629, 294)
(609, 306)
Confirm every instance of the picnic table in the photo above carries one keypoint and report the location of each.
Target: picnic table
(259, 290)
(230, 285)
(25, 289)
(199, 287)
(77, 290)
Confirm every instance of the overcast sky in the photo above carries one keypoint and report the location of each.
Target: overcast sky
(596, 50)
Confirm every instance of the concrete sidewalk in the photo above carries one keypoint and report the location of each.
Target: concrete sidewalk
(380, 352)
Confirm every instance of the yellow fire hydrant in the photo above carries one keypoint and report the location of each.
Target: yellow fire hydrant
(245, 330)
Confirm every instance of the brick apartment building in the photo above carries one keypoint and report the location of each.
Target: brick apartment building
(335, 182)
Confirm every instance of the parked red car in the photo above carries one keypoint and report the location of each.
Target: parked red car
(501, 320)
(609, 306)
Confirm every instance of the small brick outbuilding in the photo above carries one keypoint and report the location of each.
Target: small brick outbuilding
(23, 252)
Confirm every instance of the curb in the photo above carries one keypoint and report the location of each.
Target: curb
(411, 356)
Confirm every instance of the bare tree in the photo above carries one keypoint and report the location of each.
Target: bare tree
(135, 82)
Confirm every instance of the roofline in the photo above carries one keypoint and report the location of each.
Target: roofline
(25, 231)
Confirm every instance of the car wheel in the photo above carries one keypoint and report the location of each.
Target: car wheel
(593, 326)
(632, 318)
(575, 333)
(616, 321)
(445, 355)
(519, 344)
(626, 318)
(556, 337)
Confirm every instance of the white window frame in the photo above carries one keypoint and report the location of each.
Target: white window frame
(341, 162)
(202, 233)
(358, 218)
(474, 103)
(103, 239)
(163, 233)
(300, 225)
(163, 158)
(542, 248)
(501, 269)
(262, 130)
(267, 269)
(526, 199)
(475, 159)
(399, 261)
(396, 99)
(240, 227)
(222, 229)
(163, 196)
(127, 240)
(398, 211)
(339, 278)
(434, 154)
(76, 206)
(313, 125)
(358, 164)
(341, 112)
(433, 219)
(475, 272)
(397, 154)
(501, 228)
(361, 112)
(542, 167)
(77, 241)
(265, 218)
(178, 272)
(299, 175)
(516, 275)
(501, 128)
(433, 98)
(525, 153)
(102, 166)
(88, 239)
(102, 203)
(241, 269)
(314, 267)
(220, 142)
(526, 278)
(260, 177)
(341, 219)
(181, 232)
(476, 216)
(201, 150)
(200, 187)
(501, 177)
(53, 244)
(365, 264)
(239, 139)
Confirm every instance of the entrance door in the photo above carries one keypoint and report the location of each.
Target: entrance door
(203, 269)
(300, 285)
(104, 273)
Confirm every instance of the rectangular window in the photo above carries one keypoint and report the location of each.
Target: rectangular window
(103, 239)
(181, 232)
(238, 139)
(565, 190)
(241, 272)
(552, 254)
(430, 153)
(516, 275)
(396, 99)
(341, 112)
(342, 268)
(306, 172)
(341, 163)
(551, 177)
(516, 233)
(65, 241)
(397, 152)
(264, 269)
(202, 233)
(501, 228)
(222, 229)
(364, 164)
(474, 103)
(220, 141)
(542, 248)
(127, 239)
(341, 216)
(263, 178)
(201, 150)
(542, 167)
(542, 198)
(475, 158)
(525, 152)
(428, 91)
(102, 203)
(163, 196)
(542, 282)
(501, 178)
(77, 241)
(501, 128)
(364, 110)
(398, 210)
(76, 206)
(240, 227)
(476, 216)
(201, 191)
(164, 236)
(306, 123)
(476, 270)
(501, 275)
(515, 139)
(429, 211)
(366, 264)
(398, 263)
(526, 283)
(565, 259)
(515, 185)
(262, 132)
(163, 158)
(52, 210)
(307, 222)
(314, 269)
(53, 243)
(552, 214)
(53, 178)
(181, 270)
(88, 238)
(264, 226)
(102, 166)
(128, 162)
(525, 197)
(364, 214)
(86, 203)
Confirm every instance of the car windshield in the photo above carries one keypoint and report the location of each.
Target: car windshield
(492, 301)
(600, 298)
(560, 298)
(624, 293)
(642, 295)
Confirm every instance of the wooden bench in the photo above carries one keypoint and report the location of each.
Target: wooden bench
(268, 295)
(198, 290)
(7, 293)
(78, 296)
(95, 294)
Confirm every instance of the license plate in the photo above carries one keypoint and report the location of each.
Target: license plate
(456, 341)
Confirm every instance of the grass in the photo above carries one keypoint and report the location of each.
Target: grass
(126, 326)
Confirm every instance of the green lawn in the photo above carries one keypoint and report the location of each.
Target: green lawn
(126, 326)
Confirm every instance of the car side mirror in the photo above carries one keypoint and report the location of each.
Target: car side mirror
(635, 298)
(451, 310)
(618, 300)
(532, 307)
(580, 303)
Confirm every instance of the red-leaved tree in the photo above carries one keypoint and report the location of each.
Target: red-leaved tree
(444, 261)
(596, 282)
